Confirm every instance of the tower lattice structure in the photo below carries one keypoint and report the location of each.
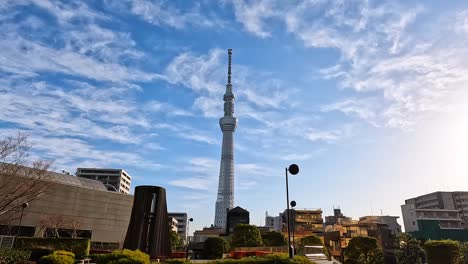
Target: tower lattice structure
(228, 124)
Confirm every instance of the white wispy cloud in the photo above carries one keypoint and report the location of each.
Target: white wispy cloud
(408, 73)
(326, 136)
(166, 108)
(162, 13)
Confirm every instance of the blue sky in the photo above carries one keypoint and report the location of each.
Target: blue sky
(369, 98)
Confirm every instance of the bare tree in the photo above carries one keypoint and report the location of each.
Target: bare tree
(55, 225)
(21, 181)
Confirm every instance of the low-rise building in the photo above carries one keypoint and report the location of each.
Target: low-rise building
(117, 180)
(273, 222)
(203, 235)
(304, 222)
(173, 224)
(434, 204)
(182, 224)
(235, 216)
(78, 206)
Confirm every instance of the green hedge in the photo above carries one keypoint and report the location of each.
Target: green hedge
(13, 256)
(79, 246)
(177, 261)
(442, 251)
(124, 256)
(269, 259)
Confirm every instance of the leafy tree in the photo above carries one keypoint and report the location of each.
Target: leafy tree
(246, 236)
(273, 239)
(442, 252)
(363, 250)
(176, 241)
(311, 240)
(215, 247)
(408, 250)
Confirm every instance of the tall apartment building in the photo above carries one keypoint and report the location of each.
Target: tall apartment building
(117, 180)
(450, 209)
(182, 224)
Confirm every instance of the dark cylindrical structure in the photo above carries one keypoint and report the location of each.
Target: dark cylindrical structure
(148, 229)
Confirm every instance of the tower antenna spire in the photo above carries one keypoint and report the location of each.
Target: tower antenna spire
(229, 65)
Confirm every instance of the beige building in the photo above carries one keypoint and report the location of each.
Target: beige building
(117, 180)
(84, 205)
(449, 208)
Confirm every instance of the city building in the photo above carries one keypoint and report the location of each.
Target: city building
(173, 224)
(74, 205)
(304, 222)
(336, 218)
(117, 180)
(182, 224)
(235, 216)
(389, 221)
(384, 228)
(273, 222)
(450, 209)
(203, 235)
(228, 124)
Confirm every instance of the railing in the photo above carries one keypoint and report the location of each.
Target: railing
(7, 241)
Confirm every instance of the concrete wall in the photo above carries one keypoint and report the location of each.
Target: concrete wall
(106, 213)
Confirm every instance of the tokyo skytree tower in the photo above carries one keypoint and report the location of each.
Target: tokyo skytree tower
(228, 124)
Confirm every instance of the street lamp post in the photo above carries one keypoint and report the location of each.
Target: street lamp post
(188, 238)
(293, 204)
(293, 169)
(23, 206)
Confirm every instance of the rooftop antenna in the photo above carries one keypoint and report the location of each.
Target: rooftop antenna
(229, 65)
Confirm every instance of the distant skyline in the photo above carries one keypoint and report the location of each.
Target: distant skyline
(369, 98)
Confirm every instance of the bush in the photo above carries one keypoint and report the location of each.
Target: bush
(177, 261)
(215, 247)
(124, 256)
(56, 259)
(269, 259)
(38, 253)
(79, 246)
(273, 239)
(246, 236)
(13, 256)
(442, 251)
(311, 240)
(363, 250)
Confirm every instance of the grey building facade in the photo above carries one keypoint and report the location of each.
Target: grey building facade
(83, 204)
(449, 208)
(182, 224)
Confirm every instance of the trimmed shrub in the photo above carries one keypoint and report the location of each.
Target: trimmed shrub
(13, 256)
(311, 240)
(79, 246)
(269, 259)
(38, 253)
(56, 259)
(124, 256)
(442, 251)
(215, 247)
(177, 261)
(273, 239)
